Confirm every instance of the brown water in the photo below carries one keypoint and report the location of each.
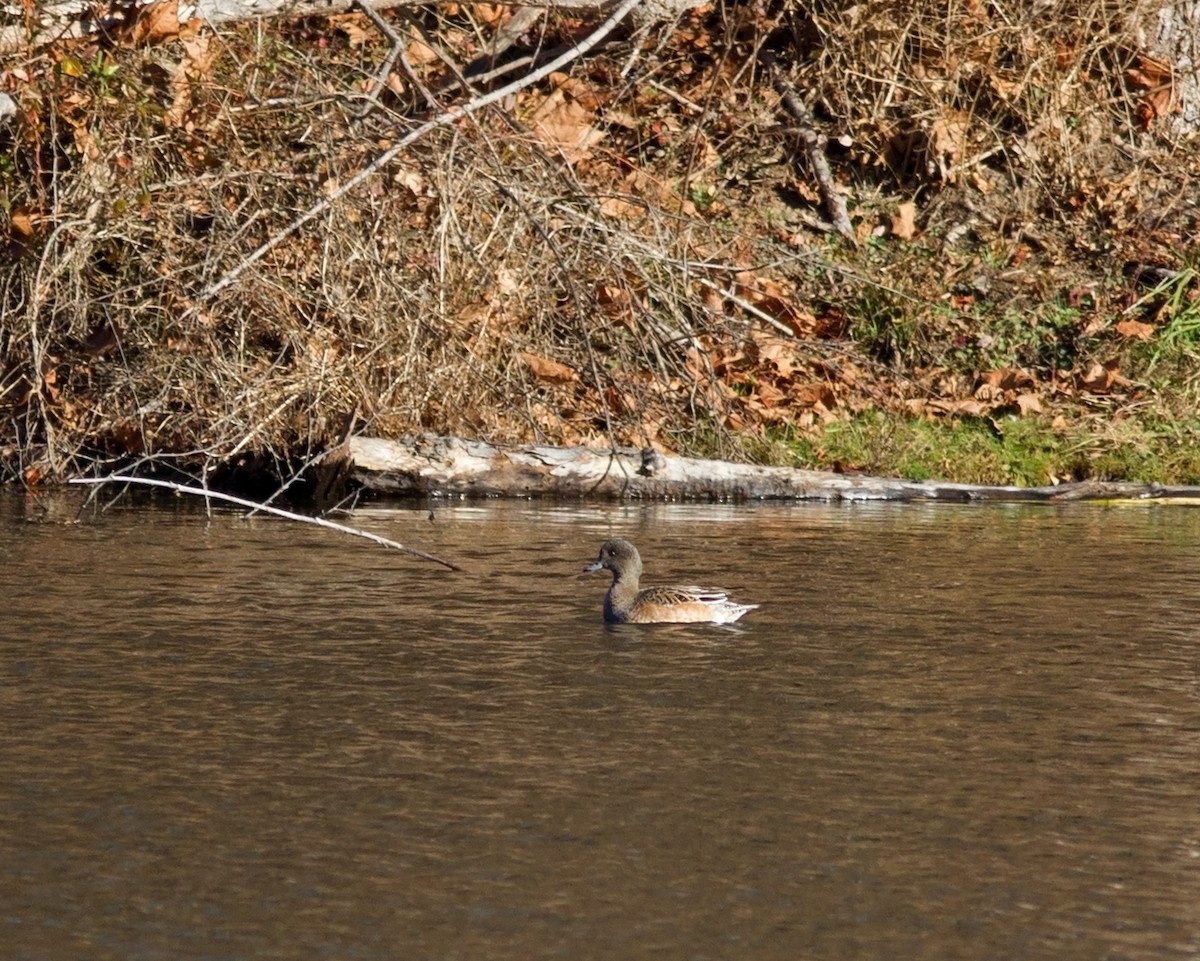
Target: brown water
(950, 733)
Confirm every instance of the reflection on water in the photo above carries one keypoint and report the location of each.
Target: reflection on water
(949, 733)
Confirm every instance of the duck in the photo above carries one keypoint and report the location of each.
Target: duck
(626, 604)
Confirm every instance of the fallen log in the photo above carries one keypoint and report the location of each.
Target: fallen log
(430, 465)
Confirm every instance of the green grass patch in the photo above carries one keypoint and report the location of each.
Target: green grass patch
(1006, 450)
(1172, 353)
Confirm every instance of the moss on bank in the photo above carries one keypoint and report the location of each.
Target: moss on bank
(633, 256)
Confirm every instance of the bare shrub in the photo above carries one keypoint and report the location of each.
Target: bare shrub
(626, 254)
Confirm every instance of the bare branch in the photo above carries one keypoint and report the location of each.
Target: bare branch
(441, 120)
(265, 508)
(814, 148)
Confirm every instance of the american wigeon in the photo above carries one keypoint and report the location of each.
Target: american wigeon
(624, 603)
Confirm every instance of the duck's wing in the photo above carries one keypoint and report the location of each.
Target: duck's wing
(683, 604)
(681, 594)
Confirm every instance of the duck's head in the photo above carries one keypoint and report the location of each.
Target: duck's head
(618, 556)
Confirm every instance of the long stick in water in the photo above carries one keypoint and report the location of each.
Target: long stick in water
(278, 512)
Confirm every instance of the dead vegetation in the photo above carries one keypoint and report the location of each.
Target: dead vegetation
(633, 250)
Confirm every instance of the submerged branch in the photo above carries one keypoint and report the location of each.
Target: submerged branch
(265, 508)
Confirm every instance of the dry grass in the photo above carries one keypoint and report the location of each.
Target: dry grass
(664, 285)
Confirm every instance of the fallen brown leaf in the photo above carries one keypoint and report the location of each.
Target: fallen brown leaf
(969, 408)
(771, 297)
(21, 221)
(904, 221)
(566, 123)
(816, 396)
(1008, 378)
(548, 370)
(1099, 378)
(831, 324)
(196, 65)
(354, 27)
(617, 207)
(157, 23)
(1029, 404)
(492, 14)
(1064, 54)
(1135, 329)
(419, 52)
(781, 354)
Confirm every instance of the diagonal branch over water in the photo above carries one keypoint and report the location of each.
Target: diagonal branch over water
(265, 508)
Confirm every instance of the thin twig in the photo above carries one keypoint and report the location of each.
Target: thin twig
(441, 120)
(397, 52)
(814, 148)
(265, 508)
(505, 37)
(453, 67)
(747, 306)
